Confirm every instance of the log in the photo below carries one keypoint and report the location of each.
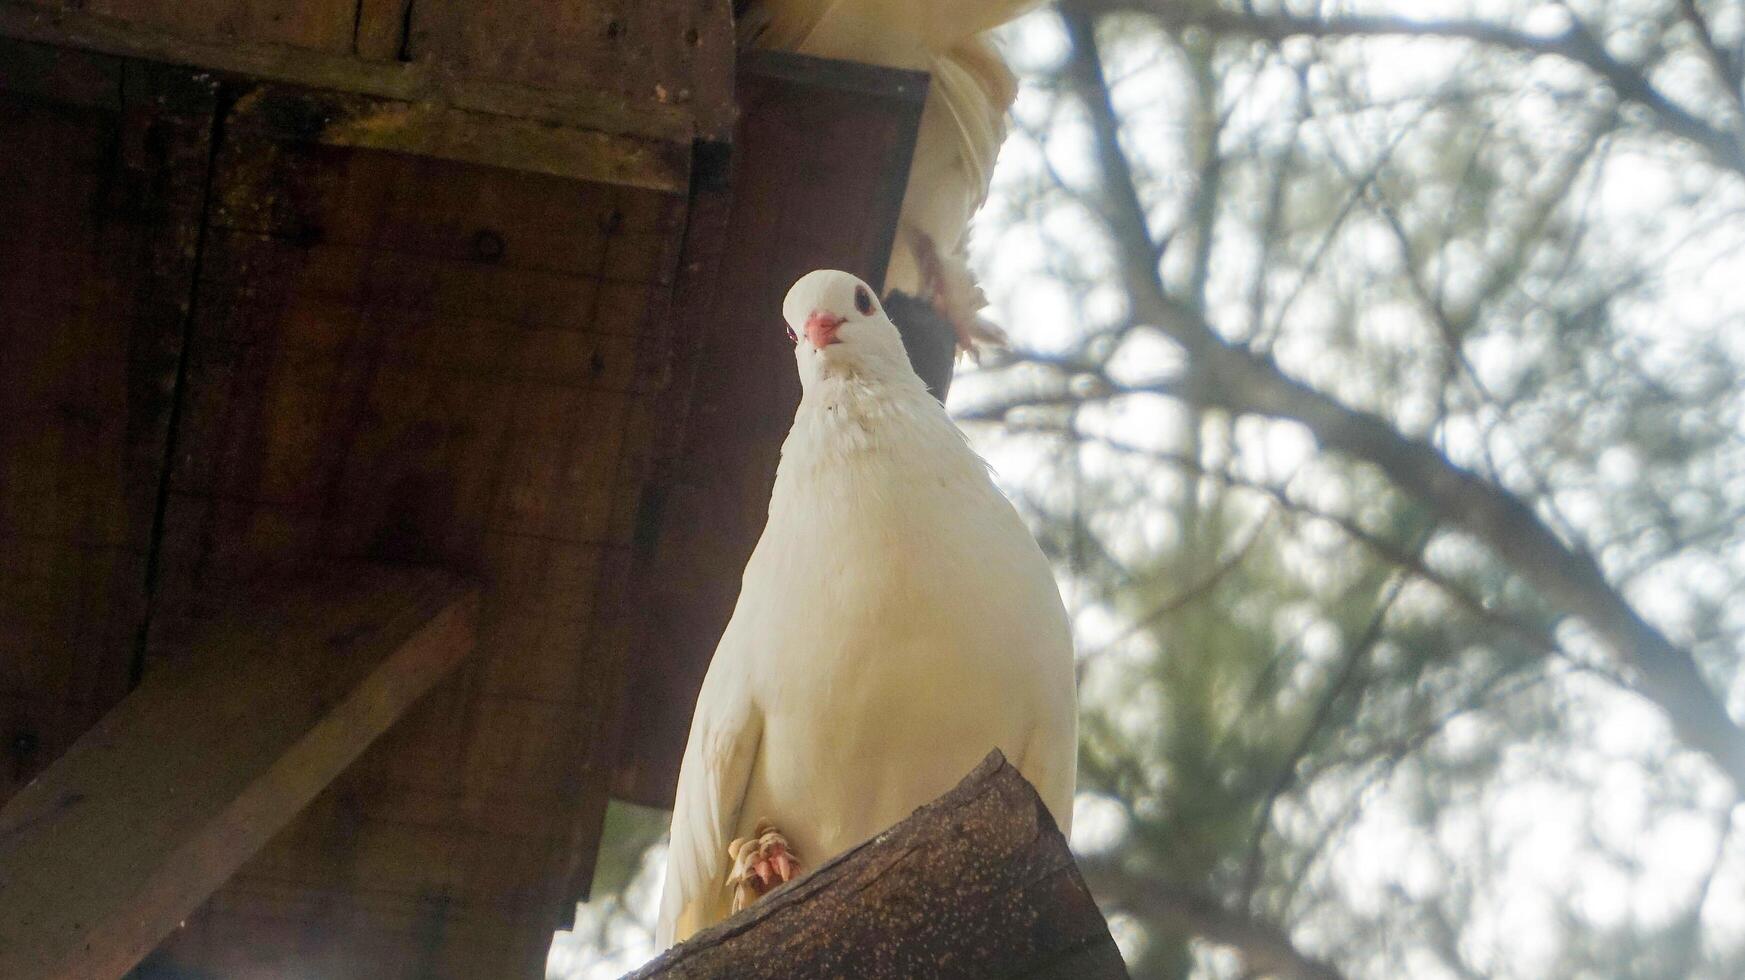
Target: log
(152, 809)
(978, 883)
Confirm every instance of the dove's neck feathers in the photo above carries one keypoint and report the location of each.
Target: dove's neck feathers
(852, 423)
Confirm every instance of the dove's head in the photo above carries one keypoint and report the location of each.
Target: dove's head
(839, 328)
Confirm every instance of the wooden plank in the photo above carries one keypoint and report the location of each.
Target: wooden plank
(168, 794)
(605, 110)
(403, 359)
(431, 130)
(673, 54)
(51, 74)
(715, 106)
(794, 210)
(102, 185)
(977, 884)
(324, 25)
(477, 41)
(381, 30)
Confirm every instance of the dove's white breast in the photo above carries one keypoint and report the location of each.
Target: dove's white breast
(899, 622)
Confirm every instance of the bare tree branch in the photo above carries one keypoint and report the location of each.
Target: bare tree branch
(1286, 777)
(1489, 693)
(1719, 58)
(1185, 597)
(1243, 382)
(1576, 44)
(1536, 639)
(1265, 949)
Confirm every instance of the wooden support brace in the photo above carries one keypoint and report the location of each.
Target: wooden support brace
(152, 809)
(978, 883)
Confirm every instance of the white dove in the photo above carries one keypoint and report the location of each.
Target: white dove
(962, 124)
(896, 622)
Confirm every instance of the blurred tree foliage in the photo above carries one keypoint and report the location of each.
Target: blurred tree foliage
(1377, 391)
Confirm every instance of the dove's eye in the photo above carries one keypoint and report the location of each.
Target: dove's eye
(793, 338)
(863, 301)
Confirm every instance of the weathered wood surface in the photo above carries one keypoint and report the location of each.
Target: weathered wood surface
(102, 177)
(658, 69)
(977, 884)
(799, 203)
(444, 132)
(410, 359)
(665, 54)
(128, 832)
(255, 328)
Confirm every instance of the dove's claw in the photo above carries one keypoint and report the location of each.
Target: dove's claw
(760, 863)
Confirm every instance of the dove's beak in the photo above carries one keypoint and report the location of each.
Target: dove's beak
(821, 329)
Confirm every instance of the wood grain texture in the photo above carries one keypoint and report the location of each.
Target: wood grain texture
(977, 884)
(324, 25)
(794, 210)
(102, 183)
(431, 130)
(316, 24)
(644, 51)
(380, 34)
(124, 835)
(411, 359)
(666, 77)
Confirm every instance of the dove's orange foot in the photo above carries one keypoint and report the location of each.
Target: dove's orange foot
(760, 862)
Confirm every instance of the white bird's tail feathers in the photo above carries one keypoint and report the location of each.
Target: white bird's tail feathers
(962, 125)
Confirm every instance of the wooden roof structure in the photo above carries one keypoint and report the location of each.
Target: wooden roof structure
(358, 349)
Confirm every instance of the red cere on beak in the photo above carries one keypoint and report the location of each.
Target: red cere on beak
(821, 329)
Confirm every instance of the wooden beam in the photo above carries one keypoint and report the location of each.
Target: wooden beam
(106, 168)
(528, 145)
(586, 107)
(447, 133)
(978, 883)
(153, 808)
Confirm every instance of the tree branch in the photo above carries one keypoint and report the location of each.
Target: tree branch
(1535, 638)
(1265, 949)
(1246, 383)
(1719, 58)
(1286, 777)
(1576, 44)
(1182, 599)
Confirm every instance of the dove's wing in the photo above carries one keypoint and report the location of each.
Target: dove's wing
(719, 756)
(1050, 762)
